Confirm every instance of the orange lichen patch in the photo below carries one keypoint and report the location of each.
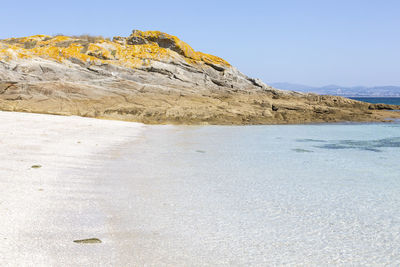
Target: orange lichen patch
(212, 59)
(135, 51)
(48, 52)
(146, 51)
(19, 41)
(75, 50)
(10, 52)
(6, 54)
(27, 42)
(100, 52)
(60, 53)
(60, 38)
(54, 41)
(165, 40)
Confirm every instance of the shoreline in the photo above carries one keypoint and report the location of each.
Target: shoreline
(380, 116)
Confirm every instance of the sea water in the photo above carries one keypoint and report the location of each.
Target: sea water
(324, 194)
(382, 100)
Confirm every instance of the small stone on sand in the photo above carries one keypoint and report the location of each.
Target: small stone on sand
(88, 241)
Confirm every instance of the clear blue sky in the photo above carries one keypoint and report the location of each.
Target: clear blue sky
(353, 42)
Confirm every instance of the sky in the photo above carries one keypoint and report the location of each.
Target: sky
(320, 42)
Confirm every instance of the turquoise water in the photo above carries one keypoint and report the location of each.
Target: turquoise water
(383, 100)
(263, 195)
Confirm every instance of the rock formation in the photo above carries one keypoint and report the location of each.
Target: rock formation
(153, 77)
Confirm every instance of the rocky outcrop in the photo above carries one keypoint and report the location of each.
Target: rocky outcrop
(152, 77)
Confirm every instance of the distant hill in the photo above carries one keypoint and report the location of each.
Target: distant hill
(376, 91)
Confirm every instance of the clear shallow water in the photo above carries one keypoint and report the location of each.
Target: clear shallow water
(258, 195)
(375, 100)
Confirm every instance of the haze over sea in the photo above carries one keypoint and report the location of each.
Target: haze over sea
(256, 195)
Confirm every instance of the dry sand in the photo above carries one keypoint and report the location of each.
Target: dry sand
(51, 192)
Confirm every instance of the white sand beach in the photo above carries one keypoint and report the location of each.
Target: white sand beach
(51, 191)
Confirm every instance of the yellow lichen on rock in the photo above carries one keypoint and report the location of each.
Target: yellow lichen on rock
(164, 40)
(212, 59)
(12, 52)
(135, 51)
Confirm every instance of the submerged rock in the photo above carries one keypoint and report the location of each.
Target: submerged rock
(301, 150)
